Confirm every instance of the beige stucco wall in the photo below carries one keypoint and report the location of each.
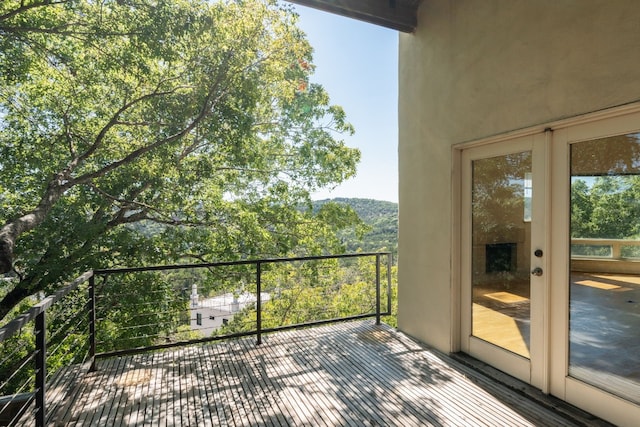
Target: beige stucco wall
(476, 68)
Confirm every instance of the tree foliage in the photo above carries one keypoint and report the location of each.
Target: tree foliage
(193, 117)
(498, 194)
(318, 291)
(609, 208)
(381, 224)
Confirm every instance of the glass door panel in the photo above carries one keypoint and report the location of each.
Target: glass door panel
(500, 258)
(604, 302)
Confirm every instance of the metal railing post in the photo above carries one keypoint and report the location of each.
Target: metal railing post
(258, 303)
(92, 323)
(389, 265)
(41, 368)
(377, 289)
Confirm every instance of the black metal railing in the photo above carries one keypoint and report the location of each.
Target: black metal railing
(238, 298)
(112, 312)
(36, 346)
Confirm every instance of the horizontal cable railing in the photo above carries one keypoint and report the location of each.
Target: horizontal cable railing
(38, 345)
(111, 312)
(167, 306)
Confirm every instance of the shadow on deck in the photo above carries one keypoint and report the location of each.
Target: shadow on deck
(353, 373)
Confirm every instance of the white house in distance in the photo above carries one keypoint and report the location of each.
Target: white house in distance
(503, 103)
(209, 314)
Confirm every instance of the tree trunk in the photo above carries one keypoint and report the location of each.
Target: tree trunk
(6, 251)
(10, 232)
(12, 299)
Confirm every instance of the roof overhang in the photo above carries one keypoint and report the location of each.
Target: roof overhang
(399, 15)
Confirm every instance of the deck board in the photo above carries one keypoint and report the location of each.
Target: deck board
(346, 374)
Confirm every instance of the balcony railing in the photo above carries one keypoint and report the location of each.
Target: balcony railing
(617, 249)
(615, 256)
(112, 312)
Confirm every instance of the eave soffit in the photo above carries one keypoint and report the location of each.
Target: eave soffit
(398, 15)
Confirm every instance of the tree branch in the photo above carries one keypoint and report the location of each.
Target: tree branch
(115, 121)
(59, 30)
(146, 149)
(12, 230)
(25, 7)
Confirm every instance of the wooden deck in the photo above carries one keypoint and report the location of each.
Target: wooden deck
(347, 374)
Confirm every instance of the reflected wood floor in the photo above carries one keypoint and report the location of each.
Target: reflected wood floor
(346, 374)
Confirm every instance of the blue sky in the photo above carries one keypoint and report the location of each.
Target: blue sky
(357, 63)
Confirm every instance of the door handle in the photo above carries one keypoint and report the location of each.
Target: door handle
(536, 271)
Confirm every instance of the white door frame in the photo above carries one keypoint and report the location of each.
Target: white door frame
(552, 376)
(591, 398)
(531, 370)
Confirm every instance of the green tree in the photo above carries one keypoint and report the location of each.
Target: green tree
(498, 194)
(195, 119)
(609, 209)
(381, 225)
(615, 207)
(581, 209)
(318, 290)
(137, 310)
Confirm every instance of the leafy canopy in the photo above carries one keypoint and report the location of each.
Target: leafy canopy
(147, 131)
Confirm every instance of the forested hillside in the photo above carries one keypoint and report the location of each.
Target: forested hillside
(380, 216)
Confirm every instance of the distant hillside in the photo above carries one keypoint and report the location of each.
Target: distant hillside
(380, 215)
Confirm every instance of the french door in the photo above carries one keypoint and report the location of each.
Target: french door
(595, 272)
(550, 260)
(504, 256)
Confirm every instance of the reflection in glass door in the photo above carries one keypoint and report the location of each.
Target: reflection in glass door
(604, 304)
(500, 260)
